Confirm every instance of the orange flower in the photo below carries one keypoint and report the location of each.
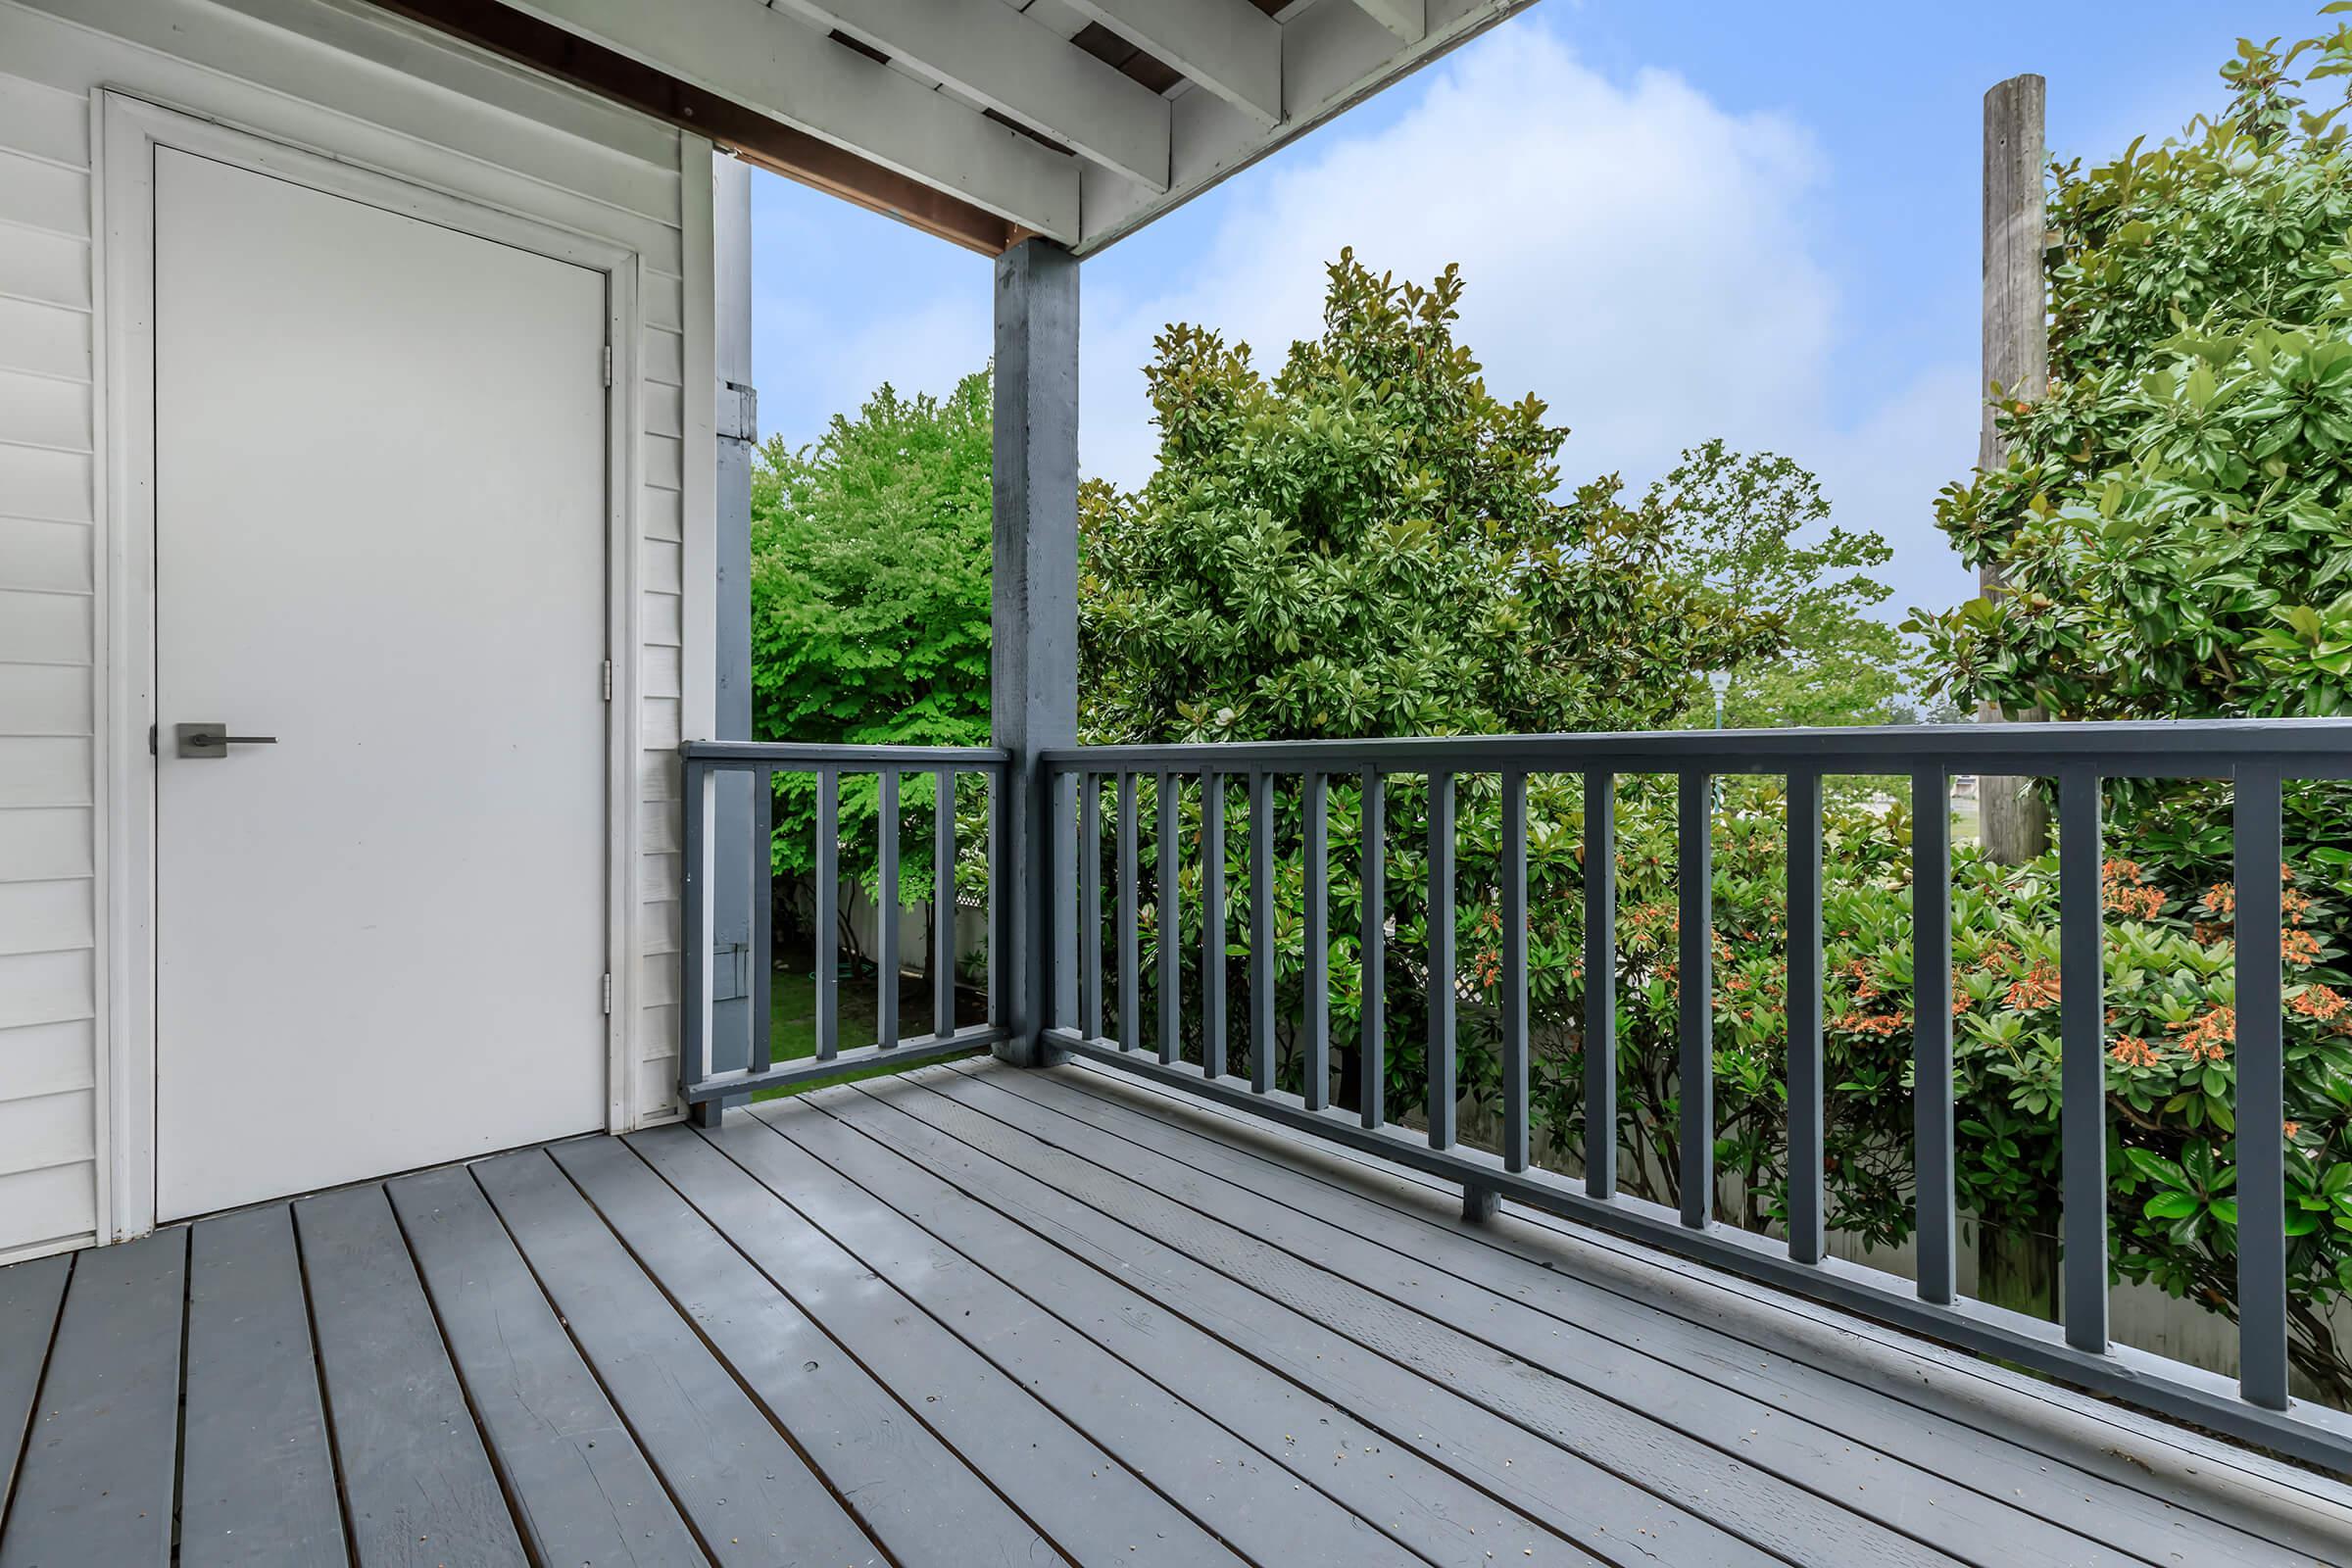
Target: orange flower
(2039, 989)
(2206, 1039)
(2133, 1052)
(2298, 947)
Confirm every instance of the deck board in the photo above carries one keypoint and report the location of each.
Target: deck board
(977, 1315)
(1422, 1505)
(30, 1295)
(905, 1484)
(1091, 1507)
(257, 1483)
(1226, 1483)
(1829, 1461)
(581, 1490)
(97, 1480)
(2149, 1527)
(418, 1485)
(1633, 1433)
(736, 1476)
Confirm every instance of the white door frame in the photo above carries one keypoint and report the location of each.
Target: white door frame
(125, 131)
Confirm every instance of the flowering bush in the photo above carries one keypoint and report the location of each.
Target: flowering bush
(2170, 997)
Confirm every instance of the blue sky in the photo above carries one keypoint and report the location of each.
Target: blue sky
(1676, 220)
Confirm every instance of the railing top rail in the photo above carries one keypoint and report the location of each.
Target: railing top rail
(798, 755)
(2192, 747)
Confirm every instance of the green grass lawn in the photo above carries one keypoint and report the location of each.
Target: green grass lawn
(792, 1018)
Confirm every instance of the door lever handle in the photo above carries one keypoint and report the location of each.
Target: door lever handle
(213, 740)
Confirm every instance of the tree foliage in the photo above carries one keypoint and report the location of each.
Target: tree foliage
(2175, 519)
(870, 603)
(1373, 543)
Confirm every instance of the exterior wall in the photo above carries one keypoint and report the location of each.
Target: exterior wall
(346, 79)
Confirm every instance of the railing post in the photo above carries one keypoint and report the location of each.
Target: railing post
(1261, 930)
(1516, 1134)
(693, 946)
(1695, 976)
(1315, 991)
(1167, 918)
(1600, 985)
(1034, 607)
(1805, 1209)
(886, 908)
(2261, 1083)
(1933, 1159)
(1372, 1067)
(2082, 1061)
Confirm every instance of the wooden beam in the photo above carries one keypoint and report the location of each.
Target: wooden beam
(1408, 20)
(1020, 69)
(1334, 56)
(780, 68)
(754, 137)
(1228, 46)
(2013, 819)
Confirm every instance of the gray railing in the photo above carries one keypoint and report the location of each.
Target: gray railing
(698, 1083)
(2256, 756)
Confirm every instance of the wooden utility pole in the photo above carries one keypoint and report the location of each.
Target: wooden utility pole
(2014, 821)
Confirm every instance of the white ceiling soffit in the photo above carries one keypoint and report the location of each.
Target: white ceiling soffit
(1250, 84)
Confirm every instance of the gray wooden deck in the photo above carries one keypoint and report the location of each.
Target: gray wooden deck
(978, 1316)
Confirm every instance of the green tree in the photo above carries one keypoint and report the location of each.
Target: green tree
(1755, 530)
(1372, 543)
(2174, 526)
(2175, 520)
(870, 604)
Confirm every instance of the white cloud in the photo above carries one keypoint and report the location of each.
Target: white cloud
(1644, 260)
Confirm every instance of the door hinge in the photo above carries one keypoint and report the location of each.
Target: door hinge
(607, 365)
(150, 751)
(608, 680)
(607, 991)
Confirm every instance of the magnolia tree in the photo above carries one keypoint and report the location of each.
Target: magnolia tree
(1371, 543)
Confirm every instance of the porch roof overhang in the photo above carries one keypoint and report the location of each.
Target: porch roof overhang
(986, 121)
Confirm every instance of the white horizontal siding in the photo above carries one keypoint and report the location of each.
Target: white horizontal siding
(349, 78)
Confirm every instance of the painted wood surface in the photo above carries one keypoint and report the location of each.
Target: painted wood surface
(257, 1481)
(980, 1315)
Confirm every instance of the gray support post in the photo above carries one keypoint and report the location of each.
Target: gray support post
(738, 884)
(1034, 663)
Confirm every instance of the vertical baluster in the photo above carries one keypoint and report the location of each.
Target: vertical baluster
(886, 909)
(1932, 1167)
(828, 923)
(1315, 991)
(1443, 1089)
(1000, 830)
(1171, 926)
(2261, 1108)
(1371, 1042)
(1261, 931)
(1212, 924)
(1600, 985)
(1128, 937)
(1064, 908)
(2083, 1061)
(763, 910)
(1089, 912)
(693, 936)
(1695, 877)
(1514, 971)
(943, 904)
(1806, 1224)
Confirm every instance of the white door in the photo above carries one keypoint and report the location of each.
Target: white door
(379, 539)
